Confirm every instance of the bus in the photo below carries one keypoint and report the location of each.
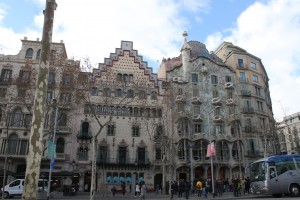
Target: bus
(276, 175)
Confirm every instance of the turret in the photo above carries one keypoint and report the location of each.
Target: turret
(185, 53)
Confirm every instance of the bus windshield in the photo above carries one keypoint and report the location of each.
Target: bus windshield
(258, 171)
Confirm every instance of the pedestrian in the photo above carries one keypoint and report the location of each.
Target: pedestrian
(113, 190)
(123, 187)
(143, 191)
(187, 189)
(199, 188)
(137, 190)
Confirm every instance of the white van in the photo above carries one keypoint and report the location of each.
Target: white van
(16, 187)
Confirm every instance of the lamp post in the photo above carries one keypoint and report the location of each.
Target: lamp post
(53, 149)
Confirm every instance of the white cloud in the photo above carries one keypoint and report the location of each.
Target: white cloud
(271, 32)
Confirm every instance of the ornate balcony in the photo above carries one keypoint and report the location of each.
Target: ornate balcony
(216, 101)
(197, 118)
(196, 100)
(228, 85)
(230, 102)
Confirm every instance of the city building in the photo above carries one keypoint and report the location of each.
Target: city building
(288, 134)
(146, 126)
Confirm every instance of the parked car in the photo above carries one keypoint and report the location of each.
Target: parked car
(16, 187)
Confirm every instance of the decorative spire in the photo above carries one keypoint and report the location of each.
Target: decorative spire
(185, 43)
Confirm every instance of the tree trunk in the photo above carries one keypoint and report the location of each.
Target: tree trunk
(94, 167)
(36, 134)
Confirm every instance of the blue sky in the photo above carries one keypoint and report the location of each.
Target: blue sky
(268, 29)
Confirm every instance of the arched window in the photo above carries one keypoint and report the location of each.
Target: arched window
(106, 92)
(60, 145)
(38, 54)
(29, 53)
(200, 150)
(130, 78)
(125, 77)
(16, 117)
(142, 95)
(119, 77)
(153, 95)
(222, 151)
(85, 128)
(118, 93)
(236, 152)
(12, 144)
(181, 154)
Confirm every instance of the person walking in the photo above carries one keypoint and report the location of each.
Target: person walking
(137, 190)
(123, 187)
(143, 191)
(199, 188)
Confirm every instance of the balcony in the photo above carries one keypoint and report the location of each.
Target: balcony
(216, 101)
(196, 100)
(243, 80)
(180, 99)
(230, 102)
(197, 118)
(228, 85)
(217, 118)
(64, 130)
(246, 93)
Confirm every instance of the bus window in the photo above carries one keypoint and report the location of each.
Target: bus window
(272, 173)
(258, 171)
(297, 161)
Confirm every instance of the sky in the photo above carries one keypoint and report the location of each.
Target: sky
(268, 29)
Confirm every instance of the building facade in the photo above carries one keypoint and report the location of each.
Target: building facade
(288, 134)
(148, 127)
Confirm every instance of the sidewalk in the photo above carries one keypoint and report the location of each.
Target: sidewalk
(149, 196)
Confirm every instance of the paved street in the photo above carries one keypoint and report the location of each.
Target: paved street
(153, 196)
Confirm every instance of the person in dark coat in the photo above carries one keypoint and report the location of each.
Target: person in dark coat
(187, 189)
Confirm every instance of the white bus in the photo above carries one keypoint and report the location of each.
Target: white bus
(276, 175)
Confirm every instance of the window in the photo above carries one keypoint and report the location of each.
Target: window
(106, 92)
(240, 62)
(29, 53)
(103, 154)
(196, 110)
(65, 98)
(66, 79)
(158, 153)
(153, 95)
(85, 129)
(255, 78)
(130, 94)
(215, 93)
(122, 155)
(260, 106)
(243, 78)
(49, 96)
(222, 150)
(12, 144)
(118, 93)
(135, 131)
(195, 78)
(94, 91)
(5, 75)
(200, 150)
(195, 92)
(24, 76)
(218, 129)
(83, 153)
(60, 145)
(62, 121)
(253, 65)
(3, 92)
(142, 95)
(38, 54)
(125, 77)
(51, 79)
(179, 91)
(214, 79)
(228, 79)
(27, 120)
(229, 94)
(197, 128)
(181, 154)
(236, 151)
(262, 122)
(141, 156)
(130, 78)
(257, 91)
(110, 130)
(16, 118)
(21, 92)
(119, 77)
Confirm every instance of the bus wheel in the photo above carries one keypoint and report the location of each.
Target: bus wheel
(294, 190)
